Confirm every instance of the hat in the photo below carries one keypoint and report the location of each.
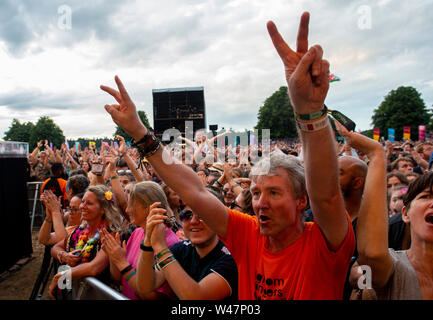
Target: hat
(218, 167)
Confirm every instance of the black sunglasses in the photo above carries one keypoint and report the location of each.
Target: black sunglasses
(186, 215)
(234, 205)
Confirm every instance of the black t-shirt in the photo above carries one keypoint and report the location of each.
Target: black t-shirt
(219, 260)
(396, 227)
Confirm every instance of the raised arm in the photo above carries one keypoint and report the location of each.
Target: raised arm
(372, 225)
(307, 77)
(189, 188)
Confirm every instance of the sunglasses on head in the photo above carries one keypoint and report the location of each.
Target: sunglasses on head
(186, 215)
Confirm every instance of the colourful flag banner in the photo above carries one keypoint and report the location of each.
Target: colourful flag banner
(333, 78)
(421, 133)
(391, 134)
(92, 143)
(376, 134)
(67, 144)
(76, 145)
(51, 145)
(128, 143)
(406, 132)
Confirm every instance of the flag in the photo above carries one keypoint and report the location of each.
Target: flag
(333, 78)
(391, 134)
(76, 145)
(376, 134)
(406, 132)
(51, 145)
(128, 143)
(115, 144)
(421, 133)
(67, 144)
(92, 143)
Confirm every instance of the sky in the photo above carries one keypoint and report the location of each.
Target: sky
(54, 55)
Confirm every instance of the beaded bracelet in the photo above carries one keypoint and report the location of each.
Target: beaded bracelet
(130, 275)
(166, 261)
(159, 255)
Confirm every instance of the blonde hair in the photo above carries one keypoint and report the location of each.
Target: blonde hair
(147, 193)
(112, 213)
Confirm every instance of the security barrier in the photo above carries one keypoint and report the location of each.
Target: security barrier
(90, 288)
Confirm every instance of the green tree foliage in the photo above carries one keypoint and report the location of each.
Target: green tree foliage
(46, 129)
(19, 132)
(121, 132)
(401, 107)
(277, 115)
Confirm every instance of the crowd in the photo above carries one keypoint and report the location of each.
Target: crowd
(300, 223)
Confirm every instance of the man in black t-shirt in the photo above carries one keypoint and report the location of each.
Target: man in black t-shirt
(198, 268)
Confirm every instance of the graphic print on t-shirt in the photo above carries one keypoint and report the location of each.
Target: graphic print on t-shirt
(268, 288)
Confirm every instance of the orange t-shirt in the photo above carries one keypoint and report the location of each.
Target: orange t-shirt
(305, 270)
(62, 184)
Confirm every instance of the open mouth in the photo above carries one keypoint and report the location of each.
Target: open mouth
(264, 219)
(429, 219)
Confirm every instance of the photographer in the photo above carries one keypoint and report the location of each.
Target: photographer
(200, 268)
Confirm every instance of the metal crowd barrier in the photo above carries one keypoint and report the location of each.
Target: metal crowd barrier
(90, 288)
(38, 210)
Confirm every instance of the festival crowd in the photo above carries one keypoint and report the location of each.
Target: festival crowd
(315, 219)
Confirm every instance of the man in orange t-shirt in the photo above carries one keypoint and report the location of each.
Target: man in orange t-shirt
(278, 255)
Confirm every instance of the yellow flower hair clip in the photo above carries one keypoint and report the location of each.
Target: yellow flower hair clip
(109, 195)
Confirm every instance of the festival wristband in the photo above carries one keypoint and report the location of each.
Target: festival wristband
(166, 261)
(160, 254)
(125, 270)
(314, 125)
(130, 275)
(311, 116)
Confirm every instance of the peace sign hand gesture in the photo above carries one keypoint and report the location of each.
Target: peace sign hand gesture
(124, 114)
(307, 75)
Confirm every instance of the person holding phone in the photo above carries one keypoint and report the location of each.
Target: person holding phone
(199, 268)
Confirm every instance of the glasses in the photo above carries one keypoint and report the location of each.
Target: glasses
(123, 171)
(235, 205)
(186, 215)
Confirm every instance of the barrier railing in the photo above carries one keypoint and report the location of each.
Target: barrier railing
(38, 210)
(90, 288)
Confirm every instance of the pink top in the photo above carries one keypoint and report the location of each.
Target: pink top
(133, 253)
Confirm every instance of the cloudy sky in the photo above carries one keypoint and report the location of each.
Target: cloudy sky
(52, 65)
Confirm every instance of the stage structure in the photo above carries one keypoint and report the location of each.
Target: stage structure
(173, 106)
(16, 237)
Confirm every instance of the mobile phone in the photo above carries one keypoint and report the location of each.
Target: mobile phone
(97, 168)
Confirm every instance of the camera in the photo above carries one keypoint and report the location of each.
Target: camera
(172, 224)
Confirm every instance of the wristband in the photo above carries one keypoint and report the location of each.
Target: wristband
(125, 270)
(148, 145)
(312, 116)
(145, 248)
(159, 255)
(313, 125)
(113, 177)
(166, 261)
(49, 221)
(130, 275)
(219, 184)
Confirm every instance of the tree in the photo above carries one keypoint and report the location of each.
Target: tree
(19, 132)
(277, 115)
(401, 107)
(121, 132)
(46, 129)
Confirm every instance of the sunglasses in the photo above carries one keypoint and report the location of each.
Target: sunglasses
(186, 215)
(235, 205)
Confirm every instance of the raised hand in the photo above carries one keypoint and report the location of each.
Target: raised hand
(155, 231)
(124, 114)
(112, 247)
(122, 144)
(307, 75)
